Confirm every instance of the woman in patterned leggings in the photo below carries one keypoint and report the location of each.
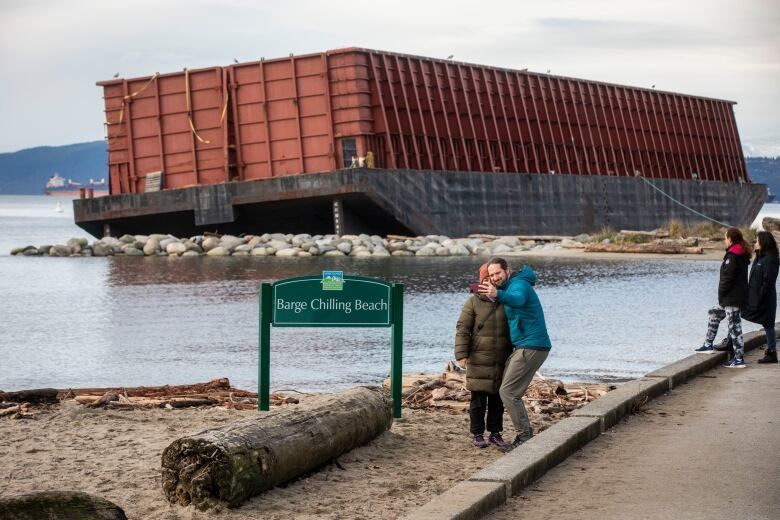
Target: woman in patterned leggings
(732, 293)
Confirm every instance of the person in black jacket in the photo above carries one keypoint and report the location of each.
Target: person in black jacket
(762, 296)
(732, 295)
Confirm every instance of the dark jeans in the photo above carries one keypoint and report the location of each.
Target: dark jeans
(771, 338)
(495, 413)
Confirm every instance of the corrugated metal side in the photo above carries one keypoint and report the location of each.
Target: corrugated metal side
(303, 114)
(447, 115)
(172, 123)
(283, 123)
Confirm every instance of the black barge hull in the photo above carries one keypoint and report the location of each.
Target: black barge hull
(414, 202)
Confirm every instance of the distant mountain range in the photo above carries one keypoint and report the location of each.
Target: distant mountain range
(25, 172)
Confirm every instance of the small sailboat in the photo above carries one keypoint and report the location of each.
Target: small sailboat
(59, 209)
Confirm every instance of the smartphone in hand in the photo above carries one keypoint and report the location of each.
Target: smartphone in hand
(474, 287)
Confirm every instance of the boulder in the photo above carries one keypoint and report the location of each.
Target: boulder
(298, 240)
(59, 250)
(500, 248)
(111, 241)
(279, 244)
(210, 243)
(127, 239)
(509, 240)
(425, 251)
(101, 249)
(151, 247)
(333, 252)
(192, 246)
(218, 251)
(190, 253)
(175, 248)
(289, 251)
(230, 242)
(168, 240)
(401, 252)
(344, 246)
(130, 250)
(260, 251)
(74, 245)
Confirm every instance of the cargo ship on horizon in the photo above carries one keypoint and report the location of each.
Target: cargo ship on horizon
(61, 187)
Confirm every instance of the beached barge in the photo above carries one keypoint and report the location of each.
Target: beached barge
(357, 140)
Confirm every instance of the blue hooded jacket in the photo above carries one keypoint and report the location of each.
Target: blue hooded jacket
(524, 311)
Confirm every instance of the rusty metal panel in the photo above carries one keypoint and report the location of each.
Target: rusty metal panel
(302, 114)
(152, 123)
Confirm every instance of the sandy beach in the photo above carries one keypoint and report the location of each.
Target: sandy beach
(116, 455)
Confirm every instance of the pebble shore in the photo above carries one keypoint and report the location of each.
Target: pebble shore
(300, 245)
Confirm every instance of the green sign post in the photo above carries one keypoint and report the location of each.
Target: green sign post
(331, 300)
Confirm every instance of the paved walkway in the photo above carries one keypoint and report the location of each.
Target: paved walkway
(709, 449)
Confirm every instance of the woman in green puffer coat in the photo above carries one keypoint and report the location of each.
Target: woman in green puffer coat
(482, 345)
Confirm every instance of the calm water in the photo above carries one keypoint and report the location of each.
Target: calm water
(69, 322)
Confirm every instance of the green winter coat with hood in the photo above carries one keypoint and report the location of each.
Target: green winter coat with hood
(482, 336)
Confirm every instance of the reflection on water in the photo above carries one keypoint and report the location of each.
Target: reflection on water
(133, 321)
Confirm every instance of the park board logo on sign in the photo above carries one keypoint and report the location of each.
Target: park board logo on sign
(332, 280)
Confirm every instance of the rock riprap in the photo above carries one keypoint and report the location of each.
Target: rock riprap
(289, 245)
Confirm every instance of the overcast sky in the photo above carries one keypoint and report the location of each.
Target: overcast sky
(52, 52)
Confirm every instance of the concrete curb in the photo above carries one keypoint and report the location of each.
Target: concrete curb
(493, 485)
(466, 501)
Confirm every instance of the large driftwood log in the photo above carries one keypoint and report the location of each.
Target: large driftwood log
(215, 386)
(59, 505)
(35, 396)
(642, 248)
(235, 462)
(654, 234)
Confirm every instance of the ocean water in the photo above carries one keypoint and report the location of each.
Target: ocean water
(74, 322)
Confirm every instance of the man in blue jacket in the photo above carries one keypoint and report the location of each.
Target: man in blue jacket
(529, 337)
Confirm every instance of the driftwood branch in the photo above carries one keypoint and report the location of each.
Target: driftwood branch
(667, 249)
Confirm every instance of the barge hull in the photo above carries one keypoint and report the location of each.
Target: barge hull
(422, 202)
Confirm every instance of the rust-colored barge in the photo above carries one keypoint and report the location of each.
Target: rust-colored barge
(360, 140)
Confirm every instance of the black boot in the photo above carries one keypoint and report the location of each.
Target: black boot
(769, 357)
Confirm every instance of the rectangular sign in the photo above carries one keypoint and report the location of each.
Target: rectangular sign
(331, 300)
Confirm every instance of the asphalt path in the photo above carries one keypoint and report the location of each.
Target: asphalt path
(709, 449)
